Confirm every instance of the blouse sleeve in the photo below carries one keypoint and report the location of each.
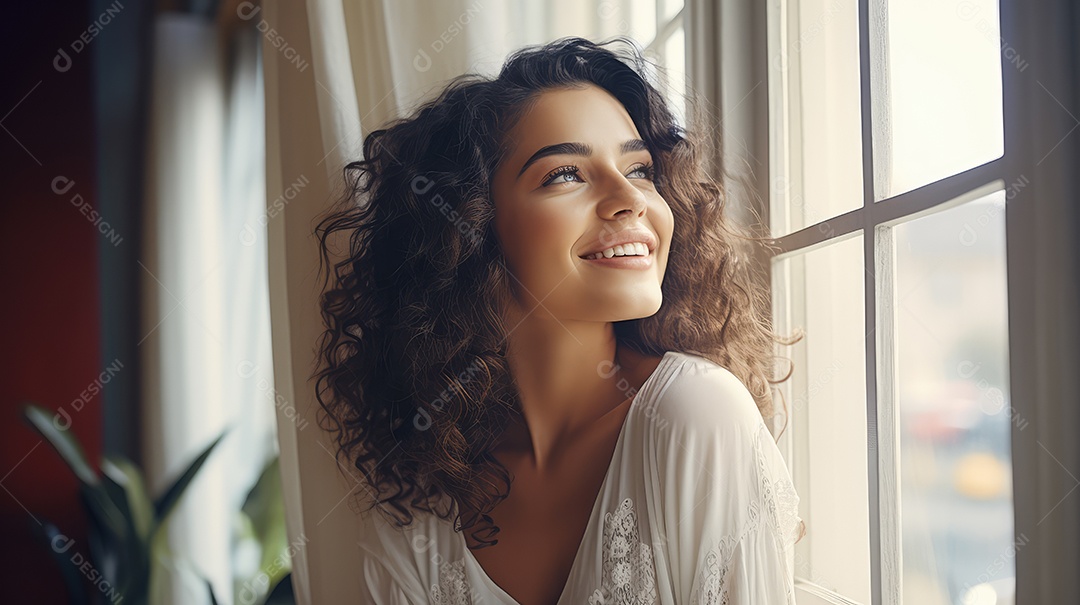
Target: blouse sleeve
(728, 506)
(380, 588)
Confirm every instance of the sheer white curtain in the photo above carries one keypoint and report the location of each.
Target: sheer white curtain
(336, 70)
(206, 324)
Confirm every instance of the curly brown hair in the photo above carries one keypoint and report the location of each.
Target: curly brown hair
(413, 376)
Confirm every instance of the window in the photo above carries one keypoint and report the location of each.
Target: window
(668, 48)
(888, 195)
(657, 25)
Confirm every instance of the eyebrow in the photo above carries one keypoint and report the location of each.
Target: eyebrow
(574, 148)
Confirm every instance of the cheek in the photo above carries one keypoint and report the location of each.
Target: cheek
(539, 239)
(662, 219)
(670, 227)
(664, 223)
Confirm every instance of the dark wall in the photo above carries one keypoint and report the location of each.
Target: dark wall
(49, 308)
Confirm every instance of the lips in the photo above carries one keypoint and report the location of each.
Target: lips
(630, 236)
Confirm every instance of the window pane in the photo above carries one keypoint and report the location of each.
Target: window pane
(814, 87)
(644, 20)
(670, 8)
(569, 18)
(955, 415)
(944, 91)
(822, 292)
(675, 53)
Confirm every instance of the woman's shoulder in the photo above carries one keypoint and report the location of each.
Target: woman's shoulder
(701, 395)
(410, 554)
(384, 536)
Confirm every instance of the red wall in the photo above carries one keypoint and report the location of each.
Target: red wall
(50, 302)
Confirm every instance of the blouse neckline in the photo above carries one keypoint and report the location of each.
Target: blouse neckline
(616, 453)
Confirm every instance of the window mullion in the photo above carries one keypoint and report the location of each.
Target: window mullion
(664, 31)
(820, 234)
(950, 190)
(907, 205)
(884, 513)
(882, 416)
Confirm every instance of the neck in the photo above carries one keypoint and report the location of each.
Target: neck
(569, 376)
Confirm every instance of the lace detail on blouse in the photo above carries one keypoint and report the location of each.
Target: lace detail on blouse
(453, 587)
(778, 498)
(628, 575)
(777, 505)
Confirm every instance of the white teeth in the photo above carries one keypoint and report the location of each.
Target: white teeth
(633, 249)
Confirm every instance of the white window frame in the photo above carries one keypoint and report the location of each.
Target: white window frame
(665, 28)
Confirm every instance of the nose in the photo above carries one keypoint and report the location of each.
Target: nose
(621, 198)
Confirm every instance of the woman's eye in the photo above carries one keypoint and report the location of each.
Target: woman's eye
(646, 171)
(561, 171)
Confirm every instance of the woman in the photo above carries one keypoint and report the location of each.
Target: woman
(538, 351)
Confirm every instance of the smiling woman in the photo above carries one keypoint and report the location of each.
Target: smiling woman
(583, 370)
(589, 189)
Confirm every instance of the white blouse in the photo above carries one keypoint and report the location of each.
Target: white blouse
(697, 507)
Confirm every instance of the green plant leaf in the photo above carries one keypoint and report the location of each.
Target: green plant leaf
(165, 504)
(122, 473)
(107, 535)
(210, 587)
(62, 440)
(124, 484)
(161, 567)
(68, 569)
(106, 519)
(104, 514)
(265, 506)
(261, 520)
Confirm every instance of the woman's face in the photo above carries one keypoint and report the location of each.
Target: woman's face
(576, 183)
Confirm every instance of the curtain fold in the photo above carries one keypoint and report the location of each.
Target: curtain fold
(206, 340)
(1042, 219)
